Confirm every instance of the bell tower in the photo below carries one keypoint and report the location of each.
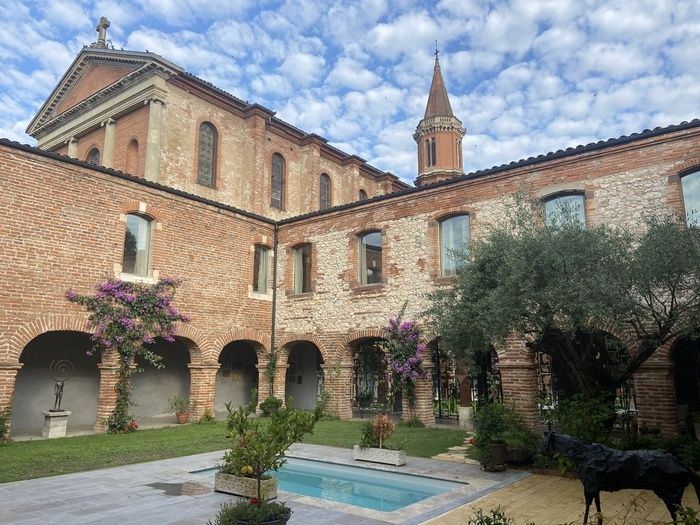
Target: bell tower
(438, 135)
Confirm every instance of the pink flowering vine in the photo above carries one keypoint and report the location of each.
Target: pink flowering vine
(126, 316)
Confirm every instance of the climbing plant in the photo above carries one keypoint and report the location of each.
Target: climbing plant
(126, 316)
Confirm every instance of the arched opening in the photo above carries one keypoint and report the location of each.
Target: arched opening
(34, 387)
(304, 379)
(686, 375)
(485, 377)
(371, 389)
(237, 375)
(445, 383)
(153, 387)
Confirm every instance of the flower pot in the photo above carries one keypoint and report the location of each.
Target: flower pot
(182, 417)
(499, 456)
(379, 455)
(246, 487)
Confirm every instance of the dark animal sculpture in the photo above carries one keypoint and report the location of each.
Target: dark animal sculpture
(609, 469)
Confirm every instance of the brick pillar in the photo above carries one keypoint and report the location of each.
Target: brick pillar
(423, 409)
(107, 396)
(280, 382)
(263, 383)
(655, 393)
(339, 384)
(8, 375)
(519, 380)
(202, 388)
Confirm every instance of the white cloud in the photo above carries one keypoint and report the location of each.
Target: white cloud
(349, 73)
(302, 68)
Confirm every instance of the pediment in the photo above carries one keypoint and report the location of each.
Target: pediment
(93, 72)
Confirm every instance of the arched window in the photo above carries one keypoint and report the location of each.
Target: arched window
(93, 156)
(430, 153)
(137, 245)
(132, 157)
(370, 258)
(302, 268)
(278, 167)
(363, 195)
(260, 268)
(325, 192)
(565, 208)
(454, 241)
(206, 161)
(690, 184)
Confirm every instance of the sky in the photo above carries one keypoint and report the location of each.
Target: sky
(526, 77)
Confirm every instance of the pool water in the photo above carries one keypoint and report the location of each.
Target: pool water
(371, 489)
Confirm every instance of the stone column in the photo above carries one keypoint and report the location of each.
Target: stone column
(73, 148)
(8, 376)
(153, 141)
(107, 396)
(110, 126)
(655, 393)
(202, 388)
(519, 380)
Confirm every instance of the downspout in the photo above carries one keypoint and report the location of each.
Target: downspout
(273, 352)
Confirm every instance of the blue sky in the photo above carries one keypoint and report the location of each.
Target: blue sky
(525, 77)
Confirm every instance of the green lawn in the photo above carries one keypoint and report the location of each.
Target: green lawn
(35, 459)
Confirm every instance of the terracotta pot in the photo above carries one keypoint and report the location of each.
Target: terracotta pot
(182, 417)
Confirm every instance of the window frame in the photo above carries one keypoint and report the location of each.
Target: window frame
(210, 180)
(552, 197)
(261, 261)
(691, 216)
(282, 179)
(302, 267)
(324, 192)
(363, 275)
(147, 263)
(443, 252)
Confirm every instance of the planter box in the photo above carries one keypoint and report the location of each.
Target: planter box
(379, 455)
(246, 487)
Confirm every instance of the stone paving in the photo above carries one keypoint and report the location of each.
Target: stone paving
(172, 492)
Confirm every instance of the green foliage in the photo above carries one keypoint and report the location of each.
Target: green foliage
(367, 438)
(557, 283)
(207, 416)
(583, 418)
(497, 422)
(411, 423)
(250, 512)
(270, 370)
(179, 404)
(258, 448)
(5, 417)
(364, 398)
(270, 406)
(687, 516)
(494, 516)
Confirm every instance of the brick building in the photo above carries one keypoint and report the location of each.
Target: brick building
(284, 242)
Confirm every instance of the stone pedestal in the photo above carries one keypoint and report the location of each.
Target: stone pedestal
(466, 421)
(55, 424)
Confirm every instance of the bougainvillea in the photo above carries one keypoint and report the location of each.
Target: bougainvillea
(404, 356)
(125, 316)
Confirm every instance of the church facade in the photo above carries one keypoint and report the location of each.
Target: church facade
(285, 244)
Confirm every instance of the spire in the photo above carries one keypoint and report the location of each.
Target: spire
(438, 101)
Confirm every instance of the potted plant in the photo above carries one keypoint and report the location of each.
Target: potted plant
(258, 449)
(372, 446)
(252, 511)
(181, 406)
(490, 425)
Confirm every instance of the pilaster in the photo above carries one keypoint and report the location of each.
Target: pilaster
(153, 140)
(110, 126)
(73, 148)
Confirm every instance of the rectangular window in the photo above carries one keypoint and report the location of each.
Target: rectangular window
(302, 269)
(371, 258)
(137, 245)
(260, 268)
(454, 238)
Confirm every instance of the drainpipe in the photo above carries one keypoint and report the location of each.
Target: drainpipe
(273, 352)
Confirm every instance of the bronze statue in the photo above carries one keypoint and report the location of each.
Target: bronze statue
(603, 468)
(60, 371)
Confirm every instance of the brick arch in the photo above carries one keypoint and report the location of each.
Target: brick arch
(302, 338)
(239, 334)
(688, 166)
(199, 348)
(367, 333)
(626, 336)
(134, 206)
(46, 323)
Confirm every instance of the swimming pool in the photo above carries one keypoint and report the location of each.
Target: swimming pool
(371, 489)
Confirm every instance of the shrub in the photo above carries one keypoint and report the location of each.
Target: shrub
(585, 418)
(207, 416)
(364, 398)
(5, 416)
(250, 512)
(179, 404)
(382, 428)
(497, 422)
(412, 423)
(270, 406)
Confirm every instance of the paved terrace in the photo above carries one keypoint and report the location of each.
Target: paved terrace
(172, 492)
